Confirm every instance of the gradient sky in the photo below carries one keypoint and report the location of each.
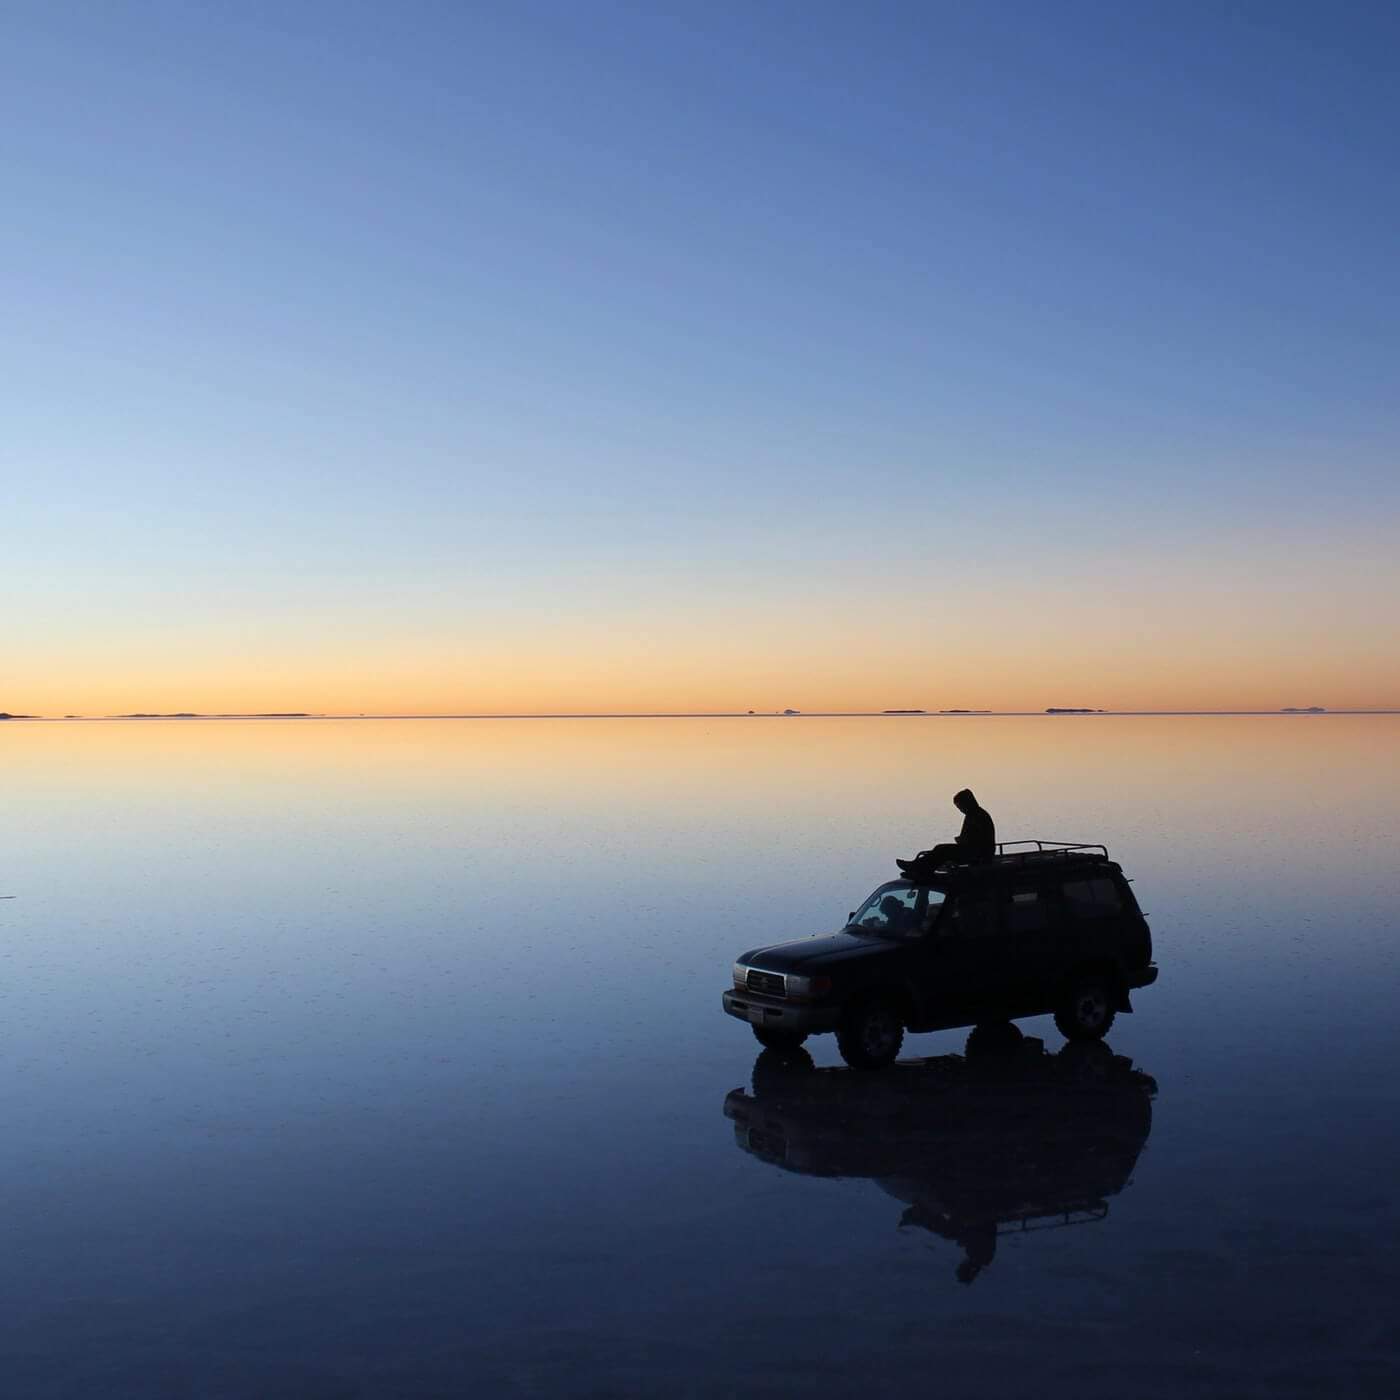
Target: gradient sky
(593, 356)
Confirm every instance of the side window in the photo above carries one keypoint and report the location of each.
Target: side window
(892, 910)
(898, 910)
(971, 916)
(1026, 912)
(1093, 899)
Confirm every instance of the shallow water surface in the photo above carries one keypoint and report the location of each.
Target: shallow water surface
(385, 1058)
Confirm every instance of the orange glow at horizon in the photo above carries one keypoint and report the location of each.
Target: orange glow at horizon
(1146, 644)
(609, 685)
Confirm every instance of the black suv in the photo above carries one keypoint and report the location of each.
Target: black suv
(1040, 927)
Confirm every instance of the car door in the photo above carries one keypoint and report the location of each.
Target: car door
(960, 963)
(1030, 918)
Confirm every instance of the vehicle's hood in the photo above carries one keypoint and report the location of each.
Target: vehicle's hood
(820, 948)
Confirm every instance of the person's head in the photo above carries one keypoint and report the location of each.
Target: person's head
(964, 801)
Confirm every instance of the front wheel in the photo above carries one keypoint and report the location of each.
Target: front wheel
(871, 1034)
(778, 1040)
(1088, 1011)
(778, 1073)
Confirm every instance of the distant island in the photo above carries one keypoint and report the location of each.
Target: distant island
(904, 712)
(1071, 710)
(5, 714)
(1303, 710)
(190, 714)
(792, 712)
(964, 712)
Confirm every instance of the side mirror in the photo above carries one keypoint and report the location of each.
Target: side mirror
(851, 917)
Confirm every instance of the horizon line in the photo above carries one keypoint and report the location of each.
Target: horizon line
(1054, 712)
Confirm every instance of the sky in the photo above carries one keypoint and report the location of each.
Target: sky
(562, 357)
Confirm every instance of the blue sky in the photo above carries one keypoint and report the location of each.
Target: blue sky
(335, 325)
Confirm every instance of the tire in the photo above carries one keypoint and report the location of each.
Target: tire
(871, 1034)
(778, 1040)
(1088, 1011)
(779, 1074)
(994, 1038)
(1086, 1061)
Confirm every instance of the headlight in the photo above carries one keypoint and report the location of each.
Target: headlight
(807, 988)
(741, 977)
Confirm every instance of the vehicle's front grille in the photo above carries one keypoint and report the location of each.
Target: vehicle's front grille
(771, 984)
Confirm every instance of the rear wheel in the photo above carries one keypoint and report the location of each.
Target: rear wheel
(871, 1034)
(1088, 1011)
(778, 1040)
(1086, 1061)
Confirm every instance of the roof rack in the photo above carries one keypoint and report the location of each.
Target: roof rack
(1036, 852)
(1086, 1214)
(1062, 850)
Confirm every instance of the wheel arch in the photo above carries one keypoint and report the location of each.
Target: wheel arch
(899, 992)
(1104, 967)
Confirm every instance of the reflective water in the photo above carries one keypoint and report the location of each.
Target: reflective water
(374, 1058)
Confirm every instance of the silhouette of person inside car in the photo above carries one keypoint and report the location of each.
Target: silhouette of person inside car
(976, 841)
(898, 916)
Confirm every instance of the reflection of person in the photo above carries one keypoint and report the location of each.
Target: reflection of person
(978, 1237)
(979, 1242)
(976, 841)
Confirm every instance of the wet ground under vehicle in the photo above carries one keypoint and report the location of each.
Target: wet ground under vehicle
(1042, 927)
(1006, 1140)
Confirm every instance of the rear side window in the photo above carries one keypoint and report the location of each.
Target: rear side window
(1025, 912)
(1093, 899)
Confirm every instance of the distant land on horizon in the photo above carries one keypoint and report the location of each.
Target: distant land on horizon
(192, 714)
(184, 714)
(902, 713)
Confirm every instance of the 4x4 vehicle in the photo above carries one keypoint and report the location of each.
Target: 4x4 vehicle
(1042, 926)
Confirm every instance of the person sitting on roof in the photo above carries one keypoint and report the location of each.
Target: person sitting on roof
(976, 841)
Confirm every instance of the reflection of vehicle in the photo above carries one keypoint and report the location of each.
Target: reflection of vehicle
(1049, 929)
(979, 1147)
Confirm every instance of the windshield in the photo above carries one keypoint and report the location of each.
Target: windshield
(899, 910)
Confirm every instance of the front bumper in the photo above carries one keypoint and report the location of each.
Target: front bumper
(774, 1014)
